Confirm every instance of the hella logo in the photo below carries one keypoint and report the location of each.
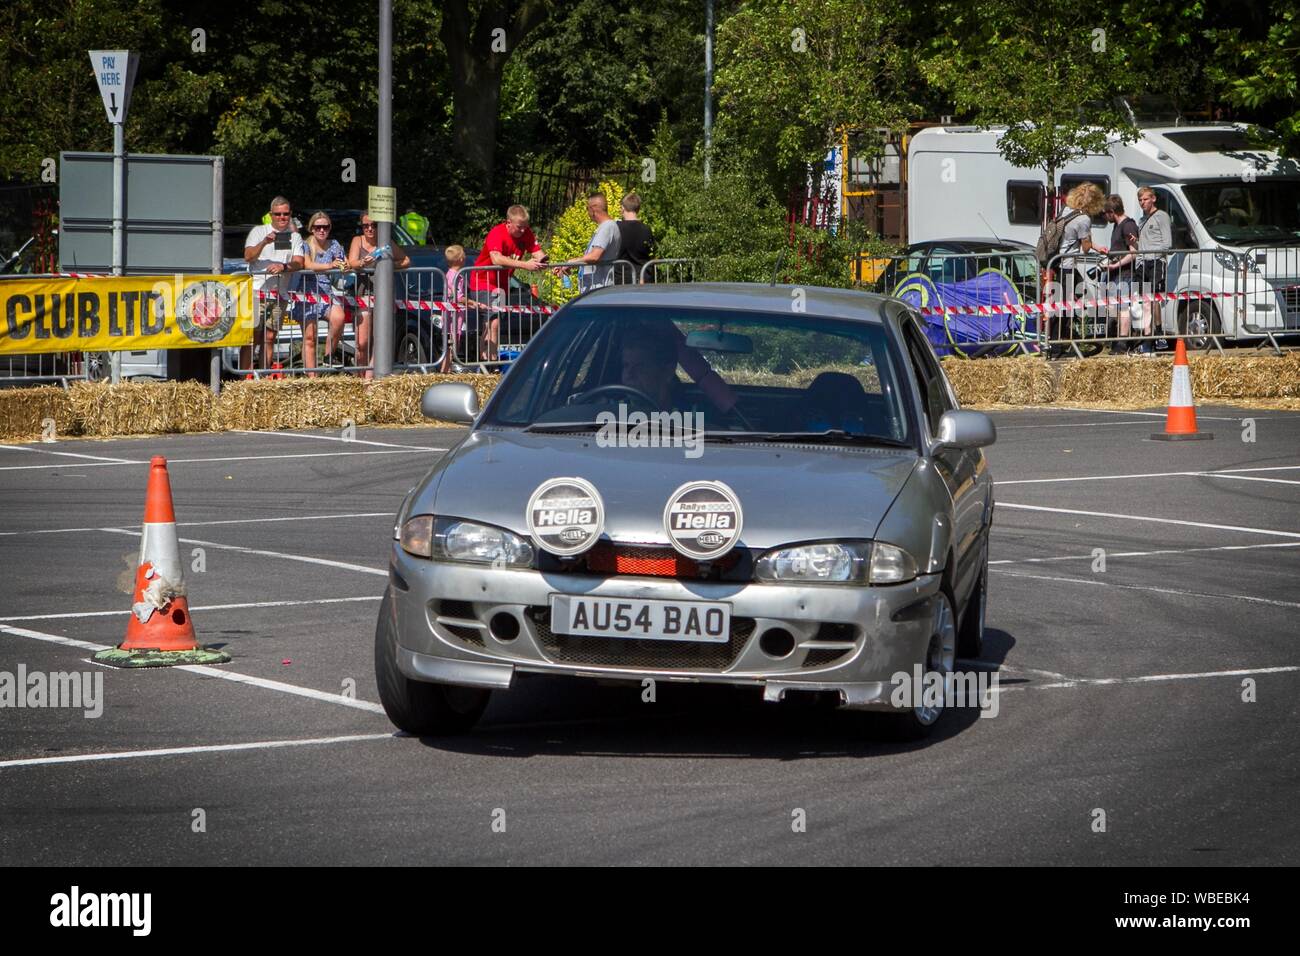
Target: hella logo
(711, 539)
(572, 534)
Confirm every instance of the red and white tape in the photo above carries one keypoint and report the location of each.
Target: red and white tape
(414, 305)
(1042, 308)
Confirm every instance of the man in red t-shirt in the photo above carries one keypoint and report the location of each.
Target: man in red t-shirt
(507, 244)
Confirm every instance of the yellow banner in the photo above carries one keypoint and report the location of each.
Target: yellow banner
(125, 313)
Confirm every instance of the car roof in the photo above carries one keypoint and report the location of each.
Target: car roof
(743, 296)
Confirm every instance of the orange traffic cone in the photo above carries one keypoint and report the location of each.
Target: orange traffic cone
(160, 631)
(1180, 421)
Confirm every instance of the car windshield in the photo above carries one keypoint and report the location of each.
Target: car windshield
(1244, 213)
(741, 375)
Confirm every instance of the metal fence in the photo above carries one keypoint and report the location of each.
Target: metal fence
(44, 368)
(998, 303)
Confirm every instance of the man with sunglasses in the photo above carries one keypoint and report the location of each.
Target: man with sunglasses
(272, 253)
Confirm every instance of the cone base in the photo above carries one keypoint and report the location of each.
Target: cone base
(116, 657)
(1182, 436)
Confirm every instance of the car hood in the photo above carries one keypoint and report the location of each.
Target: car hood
(788, 492)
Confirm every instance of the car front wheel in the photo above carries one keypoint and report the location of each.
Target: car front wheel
(418, 707)
(919, 720)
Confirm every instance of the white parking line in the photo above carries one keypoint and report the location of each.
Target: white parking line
(305, 559)
(1146, 679)
(1221, 473)
(206, 607)
(1141, 421)
(181, 751)
(205, 670)
(1147, 554)
(70, 454)
(1151, 588)
(201, 524)
(1178, 521)
(1120, 411)
(350, 441)
(190, 461)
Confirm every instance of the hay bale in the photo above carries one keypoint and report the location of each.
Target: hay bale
(396, 400)
(292, 403)
(1023, 380)
(1246, 376)
(142, 408)
(1121, 381)
(25, 413)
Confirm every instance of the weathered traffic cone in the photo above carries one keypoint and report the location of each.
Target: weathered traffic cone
(160, 632)
(1180, 420)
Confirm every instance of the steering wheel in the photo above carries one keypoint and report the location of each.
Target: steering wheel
(615, 387)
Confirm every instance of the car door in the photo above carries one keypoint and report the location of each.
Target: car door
(960, 469)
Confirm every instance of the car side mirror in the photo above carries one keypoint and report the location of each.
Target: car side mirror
(450, 402)
(964, 430)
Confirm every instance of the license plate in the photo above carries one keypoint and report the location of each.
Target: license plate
(702, 621)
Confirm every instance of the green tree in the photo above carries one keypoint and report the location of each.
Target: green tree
(1051, 77)
(792, 73)
(1271, 68)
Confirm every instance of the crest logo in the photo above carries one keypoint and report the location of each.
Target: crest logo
(205, 311)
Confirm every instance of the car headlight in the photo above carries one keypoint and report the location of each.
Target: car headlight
(416, 536)
(890, 564)
(457, 540)
(831, 562)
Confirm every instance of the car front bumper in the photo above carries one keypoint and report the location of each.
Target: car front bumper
(851, 640)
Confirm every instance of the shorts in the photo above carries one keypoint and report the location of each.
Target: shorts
(271, 314)
(477, 312)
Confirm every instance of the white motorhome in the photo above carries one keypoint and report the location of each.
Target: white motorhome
(1222, 194)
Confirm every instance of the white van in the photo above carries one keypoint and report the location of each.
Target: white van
(1221, 193)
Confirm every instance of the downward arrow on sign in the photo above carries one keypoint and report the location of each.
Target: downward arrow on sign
(112, 102)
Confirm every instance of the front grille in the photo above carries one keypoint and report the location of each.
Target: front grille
(650, 655)
(819, 657)
(650, 560)
(465, 610)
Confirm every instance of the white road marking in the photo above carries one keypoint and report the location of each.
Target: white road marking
(189, 461)
(199, 524)
(305, 559)
(1280, 481)
(349, 441)
(1120, 411)
(181, 751)
(52, 638)
(1146, 679)
(206, 670)
(1141, 421)
(1178, 521)
(70, 454)
(206, 607)
(1223, 472)
(1146, 554)
(1151, 588)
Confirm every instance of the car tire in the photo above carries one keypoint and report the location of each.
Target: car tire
(1196, 319)
(411, 351)
(418, 707)
(970, 636)
(918, 722)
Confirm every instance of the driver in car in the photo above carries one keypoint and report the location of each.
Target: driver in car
(650, 365)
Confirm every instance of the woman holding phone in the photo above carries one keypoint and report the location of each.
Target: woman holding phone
(324, 255)
(362, 256)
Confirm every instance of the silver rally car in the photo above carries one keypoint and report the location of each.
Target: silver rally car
(753, 485)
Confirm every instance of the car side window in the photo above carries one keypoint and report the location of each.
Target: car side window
(1182, 233)
(929, 378)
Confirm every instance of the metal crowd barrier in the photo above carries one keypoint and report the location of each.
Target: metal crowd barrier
(41, 368)
(672, 270)
(975, 304)
(1149, 298)
(335, 309)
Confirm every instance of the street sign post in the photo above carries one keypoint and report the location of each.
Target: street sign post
(115, 74)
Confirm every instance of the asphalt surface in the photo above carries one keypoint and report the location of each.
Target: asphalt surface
(1122, 689)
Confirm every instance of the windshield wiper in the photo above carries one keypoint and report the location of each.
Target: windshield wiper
(831, 436)
(564, 427)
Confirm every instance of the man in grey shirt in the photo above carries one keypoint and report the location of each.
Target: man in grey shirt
(597, 269)
(1155, 234)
